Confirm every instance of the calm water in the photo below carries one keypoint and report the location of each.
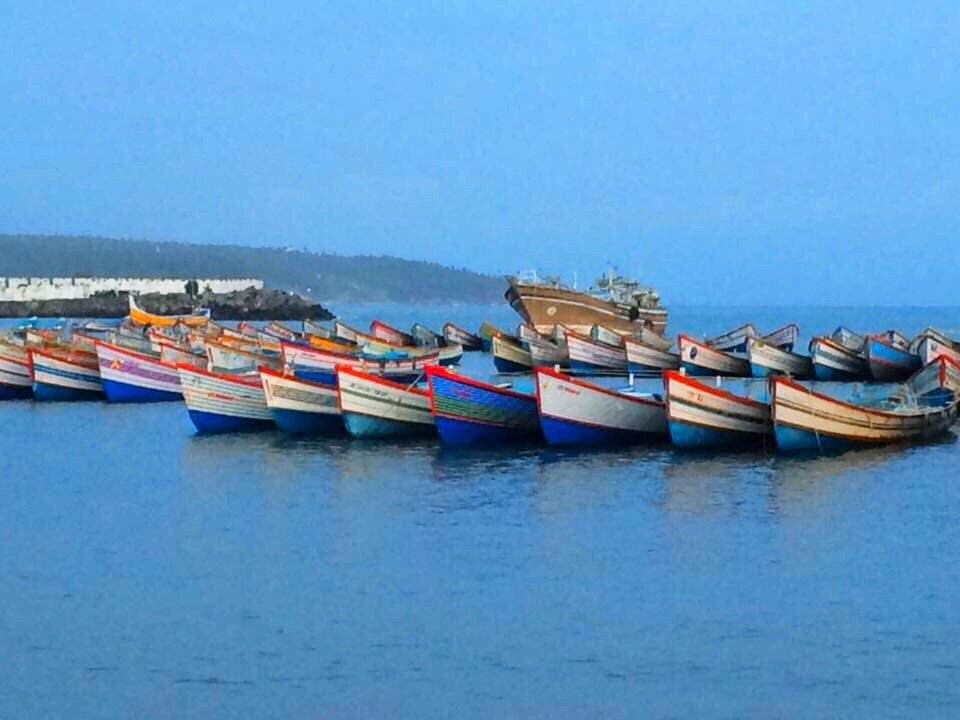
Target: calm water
(151, 573)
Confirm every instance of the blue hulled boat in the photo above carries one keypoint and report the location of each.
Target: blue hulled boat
(468, 411)
(889, 357)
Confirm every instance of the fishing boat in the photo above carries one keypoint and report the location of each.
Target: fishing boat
(591, 357)
(932, 343)
(605, 335)
(321, 365)
(807, 420)
(510, 358)
(16, 379)
(142, 317)
(342, 331)
(488, 331)
(175, 355)
(65, 373)
(733, 341)
(301, 406)
(312, 327)
(648, 337)
(575, 412)
(643, 359)
(767, 360)
(544, 352)
(374, 407)
(834, 360)
(701, 416)
(784, 338)
(700, 358)
(456, 335)
(937, 381)
(225, 359)
(390, 334)
(889, 358)
(848, 339)
(220, 403)
(425, 337)
(469, 411)
(131, 376)
(279, 331)
(526, 333)
(615, 301)
(337, 346)
(373, 346)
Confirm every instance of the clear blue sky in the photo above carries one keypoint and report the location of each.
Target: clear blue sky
(735, 152)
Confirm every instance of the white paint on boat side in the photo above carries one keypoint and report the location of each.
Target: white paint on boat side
(367, 396)
(581, 402)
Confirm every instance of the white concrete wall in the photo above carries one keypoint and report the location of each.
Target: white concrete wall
(25, 289)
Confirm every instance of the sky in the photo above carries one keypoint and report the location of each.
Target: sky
(728, 152)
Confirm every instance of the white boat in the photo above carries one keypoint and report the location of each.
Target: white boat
(589, 357)
(218, 402)
(321, 365)
(701, 415)
(510, 358)
(456, 335)
(603, 334)
(130, 376)
(301, 406)
(784, 338)
(767, 360)
(227, 359)
(342, 331)
(848, 339)
(546, 352)
(374, 407)
(643, 359)
(734, 340)
(938, 379)
(652, 339)
(699, 358)
(574, 412)
(808, 420)
(16, 378)
(932, 343)
(835, 360)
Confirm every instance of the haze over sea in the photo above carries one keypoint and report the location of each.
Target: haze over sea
(152, 573)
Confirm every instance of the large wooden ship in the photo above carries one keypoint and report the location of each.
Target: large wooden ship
(614, 302)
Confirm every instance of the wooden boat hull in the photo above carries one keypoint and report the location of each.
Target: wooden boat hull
(510, 358)
(589, 357)
(301, 406)
(141, 317)
(734, 341)
(456, 335)
(65, 376)
(888, 362)
(701, 416)
(425, 337)
(374, 407)
(930, 347)
(132, 377)
(701, 359)
(547, 353)
(805, 420)
(488, 331)
(768, 360)
(390, 334)
(938, 381)
(219, 403)
(834, 362)
(16, 378)
(784, 338)
(321, 366)
(575, 412)
(471, 412)
(643, 359)
(544, 306)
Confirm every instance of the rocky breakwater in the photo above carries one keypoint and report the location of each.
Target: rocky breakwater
(249, 304)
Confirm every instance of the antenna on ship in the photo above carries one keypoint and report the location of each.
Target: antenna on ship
(574, 279)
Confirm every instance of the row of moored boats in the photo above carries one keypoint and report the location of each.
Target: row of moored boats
(386, 382)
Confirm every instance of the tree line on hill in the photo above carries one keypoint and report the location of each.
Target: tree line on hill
(322, 276)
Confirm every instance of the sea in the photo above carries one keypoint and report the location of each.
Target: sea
(148, 572)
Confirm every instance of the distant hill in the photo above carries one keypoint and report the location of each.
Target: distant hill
(360, 278)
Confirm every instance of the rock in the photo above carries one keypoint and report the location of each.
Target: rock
(249, 304)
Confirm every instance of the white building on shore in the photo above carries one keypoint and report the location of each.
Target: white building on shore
(26, 289)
